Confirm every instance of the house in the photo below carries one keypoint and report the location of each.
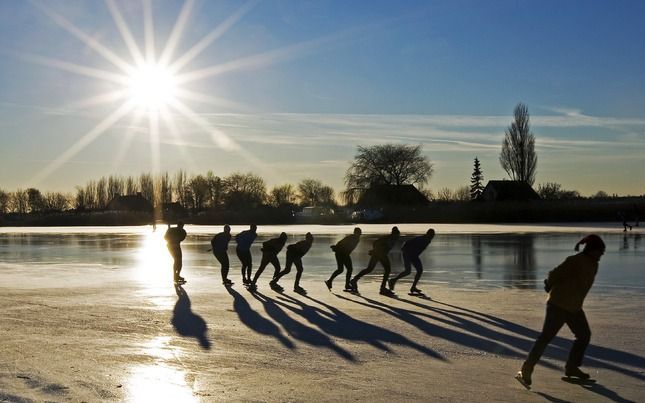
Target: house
(508, 191)
(392, 196)
(134, 202)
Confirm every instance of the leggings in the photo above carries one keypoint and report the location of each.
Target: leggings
(343, 260)
(555, 318)
(376, 258)
(409, 261)
(247, 262)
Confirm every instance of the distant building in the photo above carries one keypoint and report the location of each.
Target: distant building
(392, 195)
(314, 211)
(508, 191)
(134, 202)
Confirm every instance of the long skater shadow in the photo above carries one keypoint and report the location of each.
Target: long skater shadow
(411, 317)
(339, 324)
(298, 330)
(606, 393)
(186, 322)
(550, 398)
(255, 321)
(596, 356)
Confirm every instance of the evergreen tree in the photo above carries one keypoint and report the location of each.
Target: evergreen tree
(476, 179)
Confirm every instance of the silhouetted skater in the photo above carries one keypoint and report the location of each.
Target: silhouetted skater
(342, 251)
(380, 248)
(567, 285)
(270, 250)
(295, 252)
(219, 245)
(173, 237)
(623, 217)
(244, 241)
(411, 250)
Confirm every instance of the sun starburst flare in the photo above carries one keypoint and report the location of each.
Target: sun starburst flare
(150, 84)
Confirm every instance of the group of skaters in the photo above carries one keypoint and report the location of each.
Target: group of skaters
(343, 249)
(567, 284)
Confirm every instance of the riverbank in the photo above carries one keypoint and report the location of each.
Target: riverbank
(119, 339)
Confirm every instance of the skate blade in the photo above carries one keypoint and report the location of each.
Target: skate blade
(520, 379)
(578, 381)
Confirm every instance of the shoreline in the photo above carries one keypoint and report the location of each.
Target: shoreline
(412, 228)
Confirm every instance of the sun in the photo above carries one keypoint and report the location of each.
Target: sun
(152, 86)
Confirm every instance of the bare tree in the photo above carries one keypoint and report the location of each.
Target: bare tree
(165, 188)
(56, 201)
(35, 200)
(90, 195)
(131, 186)
(115, 186)
(282, 195)
(244, 190)
(554, 191)
(4, 202)
(147, 186)
(518, 156)
(102, 192)
(182, 191)
(79, 199)
(462, 193)
(445, 194)
(601, 194)
(314, 193)
(215, 189)
(387, 164)
(199, 190)
(19, 201)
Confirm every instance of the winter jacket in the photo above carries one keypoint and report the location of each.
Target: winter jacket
(220, 242)
(245, 239)
(346, 245)
(299, 248)
(571, 280)
(414, 246)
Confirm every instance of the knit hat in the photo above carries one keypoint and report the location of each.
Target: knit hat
(591, 242)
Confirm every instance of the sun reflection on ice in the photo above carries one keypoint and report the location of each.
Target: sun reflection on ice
(159, 382)
(154, 269)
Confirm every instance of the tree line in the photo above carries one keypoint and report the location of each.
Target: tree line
(195, 192)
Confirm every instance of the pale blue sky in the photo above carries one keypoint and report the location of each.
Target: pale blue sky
(318, 78)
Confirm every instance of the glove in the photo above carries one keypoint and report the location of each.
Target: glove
(547, 286)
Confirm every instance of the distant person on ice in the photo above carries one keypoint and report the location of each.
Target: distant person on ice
(295, 252)
(244, 241)
(411, 250)
(219, 245)
(380, 248)
(623, 218)
(270, 250)
(342, 251)
(173, 237)
(567, 285)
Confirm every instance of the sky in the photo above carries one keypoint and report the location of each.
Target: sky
(288, 89)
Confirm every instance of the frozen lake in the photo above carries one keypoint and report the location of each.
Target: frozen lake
(464, 256)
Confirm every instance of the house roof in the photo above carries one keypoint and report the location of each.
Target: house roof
(129, 203)
(508, 190)
(380, 195)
